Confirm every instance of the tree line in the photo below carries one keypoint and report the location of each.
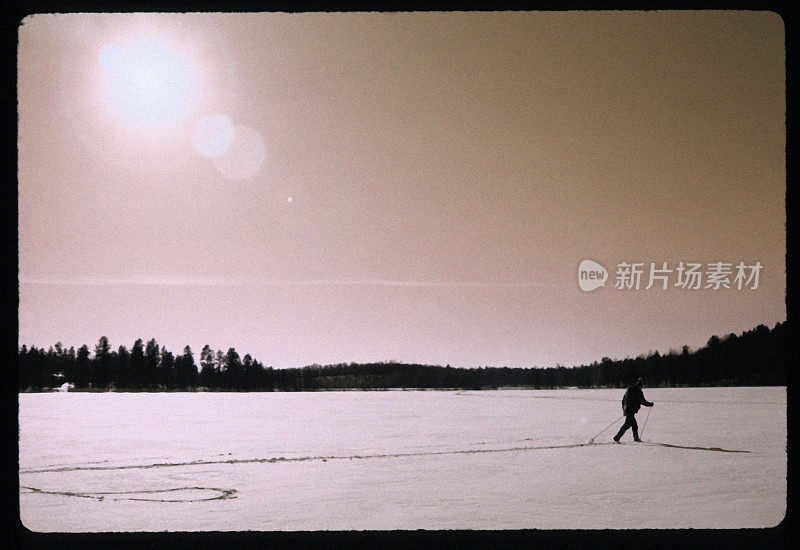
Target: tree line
(755, 357)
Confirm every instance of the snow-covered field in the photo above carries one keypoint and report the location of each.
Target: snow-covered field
(507, 459)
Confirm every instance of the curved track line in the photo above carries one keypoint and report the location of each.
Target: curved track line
(360, 457)
(102, 495)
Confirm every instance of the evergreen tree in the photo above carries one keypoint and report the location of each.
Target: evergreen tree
(232, 373)
(219, 369)
(185, 370)
(121, 374)
(102, 372)
(207, 375)
(138, 374)
(69, 365)
(165, 377)
(152, 356)
(82, 373)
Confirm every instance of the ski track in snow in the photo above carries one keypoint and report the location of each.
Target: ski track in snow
(365, 456)
(615, 399)
(221, 494)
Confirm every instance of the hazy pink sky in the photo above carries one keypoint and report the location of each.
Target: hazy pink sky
(418, 187)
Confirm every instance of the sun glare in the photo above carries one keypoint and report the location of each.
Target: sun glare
(147, 81)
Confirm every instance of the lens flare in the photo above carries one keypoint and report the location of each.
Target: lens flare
(244, 157)
(213, 135)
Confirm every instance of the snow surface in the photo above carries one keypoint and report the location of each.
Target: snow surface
(505, 459)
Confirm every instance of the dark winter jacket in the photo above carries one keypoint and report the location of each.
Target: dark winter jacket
(633, 399)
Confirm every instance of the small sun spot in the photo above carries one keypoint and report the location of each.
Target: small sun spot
(289, 199)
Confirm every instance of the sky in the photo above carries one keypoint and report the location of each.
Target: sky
(414, 187)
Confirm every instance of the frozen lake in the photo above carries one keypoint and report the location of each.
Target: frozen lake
(507, 459)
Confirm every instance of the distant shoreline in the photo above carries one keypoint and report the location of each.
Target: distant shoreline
(758, 357)
(321, 390)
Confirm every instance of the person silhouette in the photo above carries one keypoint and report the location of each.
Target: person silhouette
(631, 401)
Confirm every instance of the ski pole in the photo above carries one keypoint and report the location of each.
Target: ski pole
(591, 440)
(646, 418)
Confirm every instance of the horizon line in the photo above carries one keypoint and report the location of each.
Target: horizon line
(222, 282)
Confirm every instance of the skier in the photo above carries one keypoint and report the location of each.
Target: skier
(631, 401)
